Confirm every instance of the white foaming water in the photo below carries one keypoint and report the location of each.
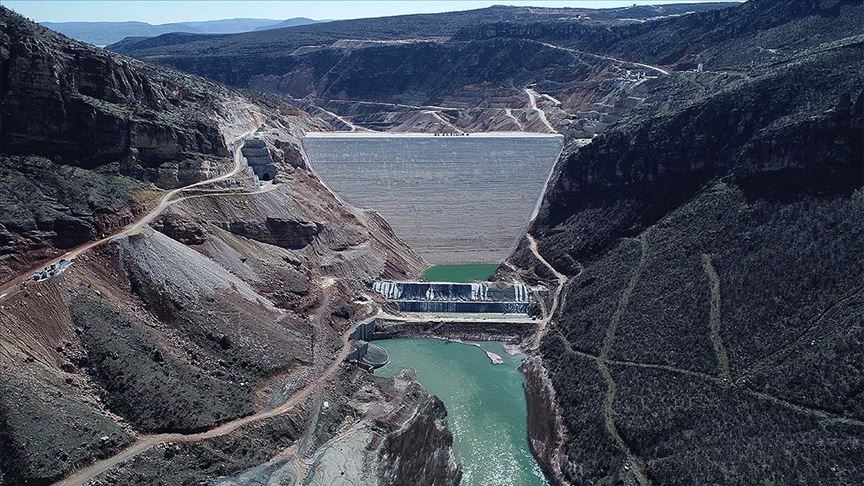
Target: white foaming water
(479, 291)
(388, 289)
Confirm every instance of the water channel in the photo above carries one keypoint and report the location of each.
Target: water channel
(485, 406)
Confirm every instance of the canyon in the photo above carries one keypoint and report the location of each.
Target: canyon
(699, 239)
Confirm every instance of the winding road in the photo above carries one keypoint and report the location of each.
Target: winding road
(532, 97)
(608, 58)
(556, 296)
(12, 286)
(350, 125)
(147, 442)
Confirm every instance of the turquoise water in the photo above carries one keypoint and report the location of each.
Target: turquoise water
(485, 403)
(473, 272)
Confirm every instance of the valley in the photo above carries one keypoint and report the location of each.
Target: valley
(596, 245)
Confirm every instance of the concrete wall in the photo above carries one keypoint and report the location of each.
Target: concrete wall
(453, 199)
(433, 291)
(359, 351)
(258, 157)
(472, 307)
(363, 332)
(494, 297)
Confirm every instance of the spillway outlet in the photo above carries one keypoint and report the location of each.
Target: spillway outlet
(446, 297)
(368, 355)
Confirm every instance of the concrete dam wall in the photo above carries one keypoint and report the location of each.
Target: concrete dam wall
(454, 199)
(499, 298)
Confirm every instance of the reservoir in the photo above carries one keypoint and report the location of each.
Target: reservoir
(460, 273)
(486, 408)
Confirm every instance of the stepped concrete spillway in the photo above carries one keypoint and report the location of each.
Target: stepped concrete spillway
(453, 199)
(441, 297)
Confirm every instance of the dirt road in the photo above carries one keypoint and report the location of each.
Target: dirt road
(532, 97)
(145, 443)
(608, 58)
(556, 296)
(12, 286)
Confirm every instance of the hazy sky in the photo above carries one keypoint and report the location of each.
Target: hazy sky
(159, 11)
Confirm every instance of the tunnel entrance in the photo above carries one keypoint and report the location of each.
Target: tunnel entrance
(454, 200)
(266, 177)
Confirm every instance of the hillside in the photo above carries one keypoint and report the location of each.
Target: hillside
(207, 316)
(706, 220)
(82, 131)
(282, 43)
(710, 326)
(104, 33)
(420, 72)
(703, 220)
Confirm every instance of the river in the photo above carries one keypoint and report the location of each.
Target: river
(485, 403)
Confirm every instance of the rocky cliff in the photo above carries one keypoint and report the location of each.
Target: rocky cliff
(441, 72)
(713, 248)
(87, 107)
(82, 131)
(229, 301)
(420, 453)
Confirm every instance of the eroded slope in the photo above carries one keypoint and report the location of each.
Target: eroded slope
(707, 329)
(218, 306)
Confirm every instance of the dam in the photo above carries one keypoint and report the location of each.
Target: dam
(443, 297)
(454, 200)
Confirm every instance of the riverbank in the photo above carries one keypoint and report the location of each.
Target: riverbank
(504, 332)
(486, 405)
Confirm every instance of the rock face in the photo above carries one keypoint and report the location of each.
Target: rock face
(66, 99)
(289, 234)
(181, 228)
(713, 246)
(545, 425)
(421, 453)
(82, 129)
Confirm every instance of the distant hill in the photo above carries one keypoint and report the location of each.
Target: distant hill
(104, 33)
(185, 52)
(289, 23)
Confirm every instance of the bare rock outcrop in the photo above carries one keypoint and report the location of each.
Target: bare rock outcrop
(286, 233)
(83, 130)
(181, 228)
(66, 99)
(421, 452)
(546, 431)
